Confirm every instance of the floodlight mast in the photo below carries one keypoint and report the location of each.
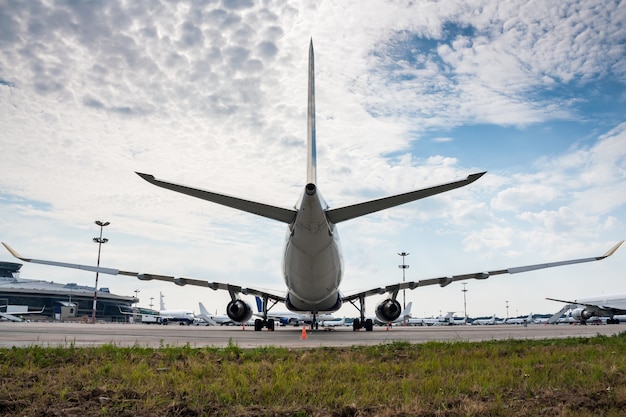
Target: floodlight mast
(99, 240)
(403, 267)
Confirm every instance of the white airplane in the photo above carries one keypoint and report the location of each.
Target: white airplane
(338, 322)
(312, 258)
(584, 309)
(447, 320)
(177, 316)
(285, 317)
(485, 322)
(520, 320)
(212, 319)
(18, 312)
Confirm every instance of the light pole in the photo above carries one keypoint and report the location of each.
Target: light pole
(403, 267)
(465, 300)
(99, 240)
(136, 297)
(507, 310)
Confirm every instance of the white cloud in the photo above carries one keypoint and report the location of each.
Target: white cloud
(213, 95)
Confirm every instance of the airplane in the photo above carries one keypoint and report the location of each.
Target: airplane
(339, 322)
(485, 322)
(212, 319)
(178, 316)
(18, 312)
(447, 320)
(287, 317)
(312, 265)
(523, 320)
(584, 309)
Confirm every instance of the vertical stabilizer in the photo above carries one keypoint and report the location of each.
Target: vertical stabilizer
(161, 302)
(311, 174)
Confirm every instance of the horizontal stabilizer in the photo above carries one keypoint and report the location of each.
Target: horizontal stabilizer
(271, 212)
(357, 210)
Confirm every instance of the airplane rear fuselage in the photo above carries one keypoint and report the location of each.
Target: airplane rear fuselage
(312, 261)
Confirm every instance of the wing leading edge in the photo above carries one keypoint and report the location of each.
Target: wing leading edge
(394, 288)
(232, 289)
(444, 281)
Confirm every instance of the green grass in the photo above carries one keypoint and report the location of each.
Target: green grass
(561, 377)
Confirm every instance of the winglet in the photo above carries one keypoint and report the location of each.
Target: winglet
(147, 177)
(14, 253)
(606, 255)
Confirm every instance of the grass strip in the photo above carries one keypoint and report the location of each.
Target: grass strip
(557, 377)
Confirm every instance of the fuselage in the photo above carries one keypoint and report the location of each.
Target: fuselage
(312, 260)
(613, 301)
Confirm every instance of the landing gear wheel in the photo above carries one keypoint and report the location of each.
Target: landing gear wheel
(270, 325)
(258, 325)
(369, 325)
(356, 325)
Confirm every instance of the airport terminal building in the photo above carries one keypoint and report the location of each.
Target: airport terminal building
(56, 301)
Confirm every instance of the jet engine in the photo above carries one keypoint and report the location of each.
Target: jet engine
(581, 314)
(388, 310)
(239, 311)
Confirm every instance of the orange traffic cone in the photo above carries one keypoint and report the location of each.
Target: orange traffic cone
(303, 337)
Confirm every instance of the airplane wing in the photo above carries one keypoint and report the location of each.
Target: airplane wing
(341, 214)
(271, 212)
(443, 281)
(233, 289)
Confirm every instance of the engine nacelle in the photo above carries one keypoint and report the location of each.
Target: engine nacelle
(581, 314)
(388, 310)
(239, 311)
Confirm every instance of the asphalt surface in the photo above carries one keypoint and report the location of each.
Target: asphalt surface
(145, 335)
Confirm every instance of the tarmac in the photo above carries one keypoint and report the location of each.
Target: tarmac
(25, 334)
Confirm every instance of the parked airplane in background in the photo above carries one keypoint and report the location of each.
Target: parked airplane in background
(18, 312)
(212, 319)
(339, 322)
(177, 316)
(312, 258)
(584, 309)
(447, 320)
(520, 320)
(485, 322)
(288, 317)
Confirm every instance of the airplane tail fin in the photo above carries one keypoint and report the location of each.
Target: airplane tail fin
(161, 302)
(311, 175)
(407, 311)
(203, 309)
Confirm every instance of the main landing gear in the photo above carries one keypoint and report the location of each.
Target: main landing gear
(259, 324)
(362, 322)
(368, 324)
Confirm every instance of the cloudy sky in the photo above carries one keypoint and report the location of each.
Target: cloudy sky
(212, 94)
